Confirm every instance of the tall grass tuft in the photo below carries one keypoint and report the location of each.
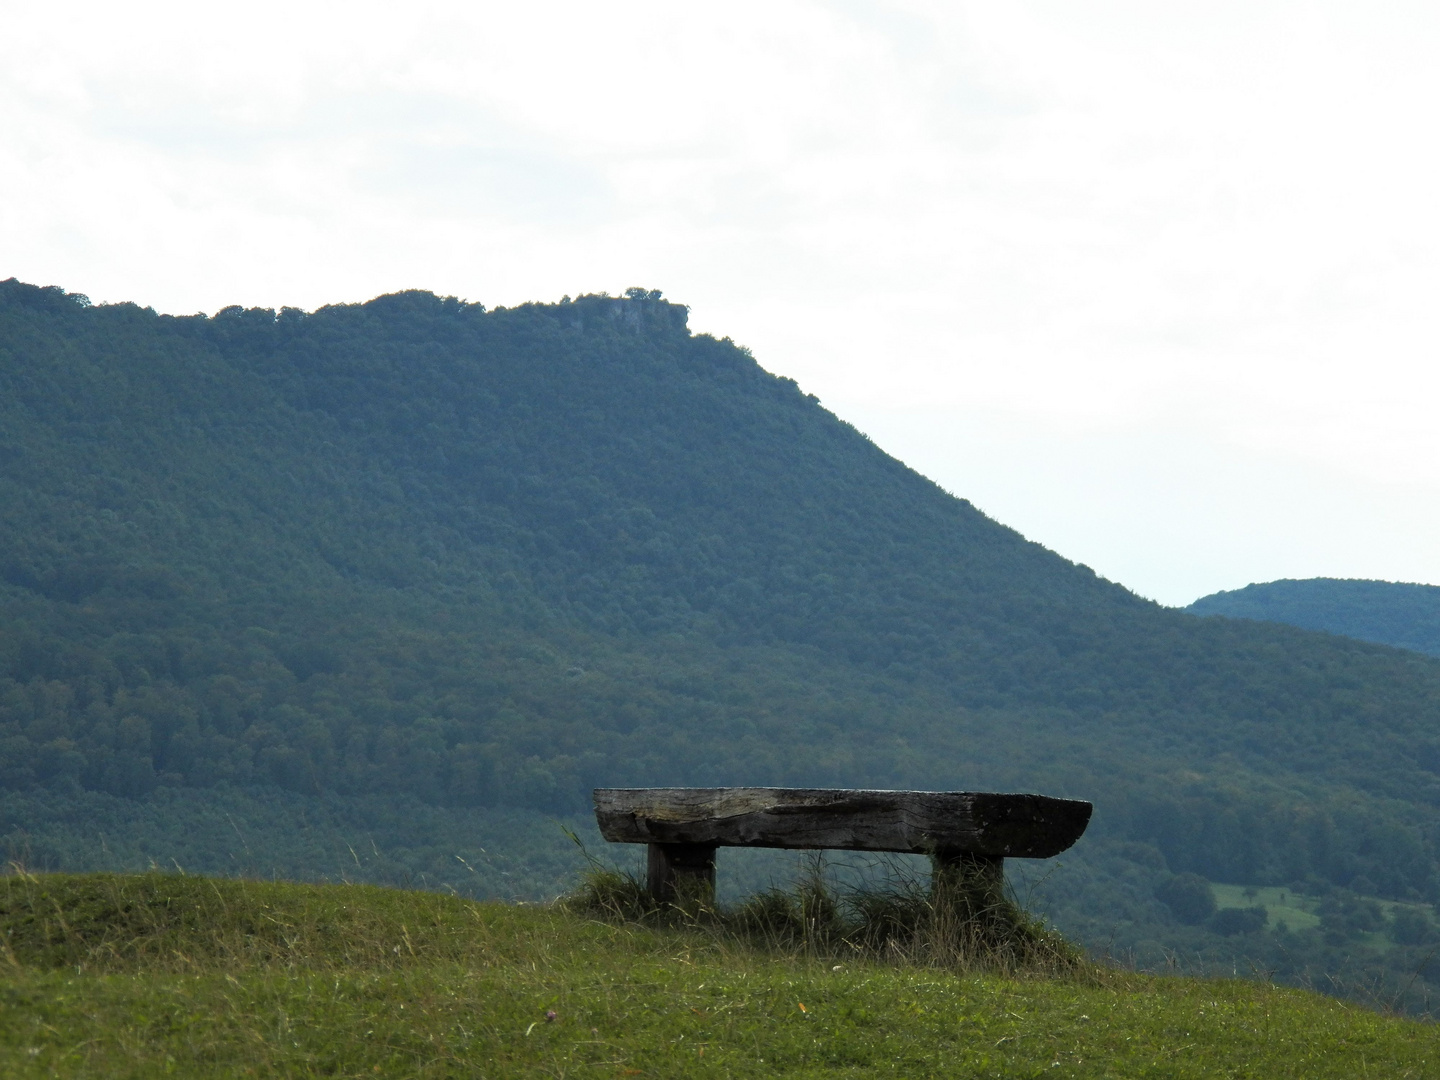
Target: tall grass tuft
(958, 918)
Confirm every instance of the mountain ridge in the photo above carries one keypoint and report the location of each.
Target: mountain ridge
(496, 558)
(1405, 615)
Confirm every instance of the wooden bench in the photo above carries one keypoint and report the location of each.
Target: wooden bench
(965, 832)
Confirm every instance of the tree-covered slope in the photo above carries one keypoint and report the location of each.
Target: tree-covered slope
(1387, 612)
(494, 558)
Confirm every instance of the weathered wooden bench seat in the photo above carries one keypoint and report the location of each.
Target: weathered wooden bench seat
(969, 830)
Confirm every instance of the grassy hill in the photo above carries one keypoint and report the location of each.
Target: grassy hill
(1387, 612)
(158, 974)
(374, 590)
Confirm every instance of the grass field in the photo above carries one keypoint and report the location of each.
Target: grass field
(169, 975)
(1300, 912)
(1282, 905)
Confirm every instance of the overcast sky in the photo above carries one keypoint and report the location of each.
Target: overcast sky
(1153, 283)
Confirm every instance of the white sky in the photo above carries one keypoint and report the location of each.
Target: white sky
(1153, 283)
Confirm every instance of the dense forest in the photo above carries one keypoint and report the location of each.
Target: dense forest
(419, 561)
(1387, 612)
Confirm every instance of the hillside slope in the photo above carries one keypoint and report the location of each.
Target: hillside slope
(414, 548)
(150, 975)
(1387, 612)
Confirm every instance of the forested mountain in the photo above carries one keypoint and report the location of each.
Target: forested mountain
(426, 554)
(1387, 612)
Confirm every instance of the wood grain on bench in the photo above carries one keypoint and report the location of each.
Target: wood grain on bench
(965, 832)
(921, 822)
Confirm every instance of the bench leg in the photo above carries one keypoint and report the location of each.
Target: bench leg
(978, 879)
(681, 872)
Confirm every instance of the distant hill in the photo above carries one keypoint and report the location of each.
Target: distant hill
(417, 553)
(1387, 612)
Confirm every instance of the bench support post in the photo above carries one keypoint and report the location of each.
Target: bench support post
(978, 880)
(680, 872)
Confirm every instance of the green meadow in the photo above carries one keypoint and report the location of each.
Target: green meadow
(148, 975)
(1286, 909)
(1295, 910)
